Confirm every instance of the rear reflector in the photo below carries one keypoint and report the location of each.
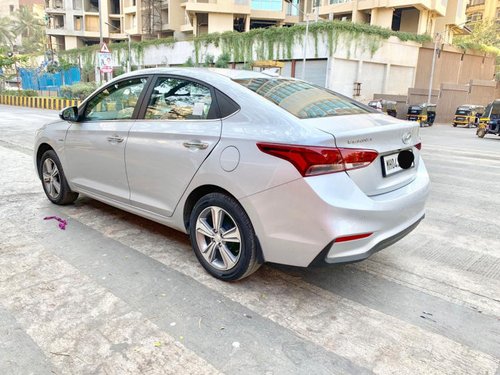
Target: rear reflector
(419, 146)
(353, 237)
(317, 160)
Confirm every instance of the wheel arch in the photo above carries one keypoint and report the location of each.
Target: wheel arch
(42, 148)
(195, 195)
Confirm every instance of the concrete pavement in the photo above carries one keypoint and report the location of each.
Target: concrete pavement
(118, 294)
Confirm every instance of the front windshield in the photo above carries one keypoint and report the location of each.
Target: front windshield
(303, 99)
(463, 111)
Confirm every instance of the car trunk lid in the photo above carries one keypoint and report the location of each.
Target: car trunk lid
(384, 134)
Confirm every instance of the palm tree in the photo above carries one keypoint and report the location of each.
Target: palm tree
(31, 28)
(26, 23)
(6, 33)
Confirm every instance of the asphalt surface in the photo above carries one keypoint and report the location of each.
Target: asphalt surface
(118, 294)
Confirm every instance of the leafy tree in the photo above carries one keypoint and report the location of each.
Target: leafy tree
(31, 28)
(485, 35)
(6, 33)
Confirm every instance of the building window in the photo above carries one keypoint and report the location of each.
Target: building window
(339, 1)
(475, 17)
(78, 23)
(271, 5)
(292, 9)
(11, 8)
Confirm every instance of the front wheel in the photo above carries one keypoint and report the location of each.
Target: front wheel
(223, 237)
(53, 180)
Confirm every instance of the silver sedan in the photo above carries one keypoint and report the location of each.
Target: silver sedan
(255, 168)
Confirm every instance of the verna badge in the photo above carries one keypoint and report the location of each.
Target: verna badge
(406, 138)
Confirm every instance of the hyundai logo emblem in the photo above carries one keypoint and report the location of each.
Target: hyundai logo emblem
(406, 138)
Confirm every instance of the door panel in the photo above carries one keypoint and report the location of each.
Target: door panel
(95, 147)
(95, 157)
(165, 150)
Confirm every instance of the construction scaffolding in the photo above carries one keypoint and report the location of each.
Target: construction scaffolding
(152, 17)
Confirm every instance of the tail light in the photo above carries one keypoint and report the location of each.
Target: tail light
(317, 160)
(419, 146)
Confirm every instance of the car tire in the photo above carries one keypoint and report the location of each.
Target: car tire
(54, 181)
(454, 125)
(229, 249)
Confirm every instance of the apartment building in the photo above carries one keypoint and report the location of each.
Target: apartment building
(415, 16)
(478, 10)
(75, 23)
(8, 7)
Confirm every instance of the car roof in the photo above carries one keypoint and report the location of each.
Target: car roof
(200, 73)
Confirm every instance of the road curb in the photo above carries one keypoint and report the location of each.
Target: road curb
(38, 102)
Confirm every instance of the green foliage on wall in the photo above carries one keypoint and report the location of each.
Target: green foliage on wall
(86, 55)
(277, 42)
(261, 44)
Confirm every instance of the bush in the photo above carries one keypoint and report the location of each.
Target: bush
(15, 92)
(223, 60)
(78, 90)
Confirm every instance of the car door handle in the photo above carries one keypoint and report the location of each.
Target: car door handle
(196, 144)
(115, 138)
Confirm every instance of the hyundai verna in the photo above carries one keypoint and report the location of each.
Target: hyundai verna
(255, 168)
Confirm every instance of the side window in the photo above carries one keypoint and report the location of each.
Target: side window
(179, 99)
(115, 102)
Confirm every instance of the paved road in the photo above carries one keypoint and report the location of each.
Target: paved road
(118, 294)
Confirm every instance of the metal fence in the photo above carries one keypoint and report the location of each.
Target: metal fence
(32, 79)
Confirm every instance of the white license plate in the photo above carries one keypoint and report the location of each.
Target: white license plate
(390, 164)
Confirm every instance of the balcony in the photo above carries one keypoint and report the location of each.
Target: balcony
(474, 3)
(54, 6)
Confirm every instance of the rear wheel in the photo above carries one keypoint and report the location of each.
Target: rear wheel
(53, 180)
(481, 133)
(454, 125)
(223, 237)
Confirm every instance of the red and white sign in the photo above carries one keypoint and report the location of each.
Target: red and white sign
(104, 48)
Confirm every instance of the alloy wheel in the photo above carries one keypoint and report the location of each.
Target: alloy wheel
(218, 238)
(51, 178)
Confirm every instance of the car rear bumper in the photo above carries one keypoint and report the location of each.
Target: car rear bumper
(297, 223)
(323, 257)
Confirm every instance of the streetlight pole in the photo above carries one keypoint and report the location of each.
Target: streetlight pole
(305, 48)
(129, 47)
(436, 41)
(101, 40)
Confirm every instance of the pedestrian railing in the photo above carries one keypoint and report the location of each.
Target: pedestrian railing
(38, 102)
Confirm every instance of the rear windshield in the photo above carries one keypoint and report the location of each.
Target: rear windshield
(414, 110)
(462, 111)
(302, 99)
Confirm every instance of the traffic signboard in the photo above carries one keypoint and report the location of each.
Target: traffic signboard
(104, 48)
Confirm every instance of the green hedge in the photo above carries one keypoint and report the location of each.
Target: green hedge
(19, 92)
(78, 90)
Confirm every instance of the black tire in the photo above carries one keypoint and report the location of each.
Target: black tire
(64, 196)
(245, 252)
(454, 125)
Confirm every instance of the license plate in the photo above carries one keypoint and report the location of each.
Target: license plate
(390, 164)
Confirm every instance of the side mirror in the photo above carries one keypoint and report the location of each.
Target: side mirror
(69, 114)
